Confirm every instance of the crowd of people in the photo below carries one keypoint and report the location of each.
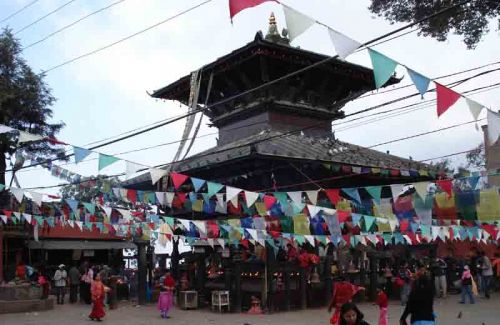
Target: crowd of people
(419, 282)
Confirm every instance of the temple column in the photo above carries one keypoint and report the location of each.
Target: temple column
(373, 278)
(142, 267)
(328, 278)
(237, 287)
(200, 278)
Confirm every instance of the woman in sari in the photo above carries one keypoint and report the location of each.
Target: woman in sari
(97, 291)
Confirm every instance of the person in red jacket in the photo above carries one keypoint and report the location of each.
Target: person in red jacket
(343, 292)
(382, 302)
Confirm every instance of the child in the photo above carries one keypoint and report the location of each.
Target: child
(382, 303)
(255, 308)
(467, 285)
(165, 301)
(350, 315)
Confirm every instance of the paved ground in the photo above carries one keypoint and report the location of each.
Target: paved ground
(485, 312)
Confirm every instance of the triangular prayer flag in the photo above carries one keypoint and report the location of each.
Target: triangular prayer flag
(296, 22)
(296, 197)
(107, 210)
(396, 190)
(493, 127)
(73, 204)
(90, 207)
(28, 137)
(37, 198)
(197, 183)
(250, 198)
(178, 179)
(18, 193)
(213, 188)
(474, 107)
(156, 174)
(333, 195)
(445, 98)
(368, 222)
(269, 201)
(106, 160)
(375, 192)
(383, 67)
(421, 82)
(352, 193)
(473, 181)
(132, 168)
(80, 153)
(2, 186)
(235, 6)
(232, 195)
(421, 189)
(356, 218)
(344, 45)
(313, 196)
(446, 185)
(27, 217)
(160, 197)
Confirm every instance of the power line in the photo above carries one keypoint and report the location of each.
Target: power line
(128, 37)
(249, 90)
(18, 11)
(72, 24)
(44, 16)
(450, 155)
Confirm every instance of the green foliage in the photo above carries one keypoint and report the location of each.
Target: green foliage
(477, 158)
(471, 20)
(25, 101)
(89, 188)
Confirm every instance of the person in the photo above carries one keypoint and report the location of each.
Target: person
(255, 306)
(85, 284)
(382, 302)
(60, 278)
(388, 279)
(343, 292)
(97, 291)
(20, 271)
(42, 282)
(467, 285)
(165, 300)
(439, 267)
(404, 282)
(74, 283)
(291, 253)
(420, 301)
(486, 274)
(351, 315)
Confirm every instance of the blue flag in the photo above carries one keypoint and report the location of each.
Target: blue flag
(421, 82)
(80, 153)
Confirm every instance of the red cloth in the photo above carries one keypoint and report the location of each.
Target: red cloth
(236, 6)
(343, 292)
(169, 281)
(382, 300)
(304, 260)
(292, 253)
(21, 271)
(98, 308)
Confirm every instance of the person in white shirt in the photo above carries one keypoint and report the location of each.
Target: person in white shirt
(60, 283)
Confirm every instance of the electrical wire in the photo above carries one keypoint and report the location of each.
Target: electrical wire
(18, 11)
(44, 16)
(127, 37)
(72, 24)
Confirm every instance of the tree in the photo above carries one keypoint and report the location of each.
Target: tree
(25, 104)
(89, 188)
(477, 158)
(470, 20)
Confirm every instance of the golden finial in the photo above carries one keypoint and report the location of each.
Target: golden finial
(272, 19)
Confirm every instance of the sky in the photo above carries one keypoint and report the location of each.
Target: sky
(106, 94)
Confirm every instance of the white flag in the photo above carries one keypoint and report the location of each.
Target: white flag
(132, 168)
(28, 137)
(250, 198)
(474, 107)
(313, 196)
(396, 190)
(493, 127)
(232, 195)
(169, 198)
(37, 198)
(27, 217)
(296, 197)
(201, 225)
(5, 128)
(296, 22)
(107, 210)
(344, 45)
(310, 239)
(160, 197)
(157, 174)
(18, 193)
(421, 189)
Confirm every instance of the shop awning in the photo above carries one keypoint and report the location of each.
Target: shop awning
(80, 244)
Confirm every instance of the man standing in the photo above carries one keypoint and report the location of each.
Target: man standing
(60, 283)
(439, 271)
(486, 273)
(74, 283)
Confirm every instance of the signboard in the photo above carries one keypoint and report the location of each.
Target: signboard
(88, 253)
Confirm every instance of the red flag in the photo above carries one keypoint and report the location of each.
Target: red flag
(236, 6)
(132, 195)
(178, 179)
(445, 98)
(333, 195)
(446, 185)
(269, 201)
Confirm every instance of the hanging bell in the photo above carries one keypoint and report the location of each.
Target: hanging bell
(315, 277)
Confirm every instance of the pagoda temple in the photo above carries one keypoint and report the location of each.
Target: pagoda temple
(275, 134)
